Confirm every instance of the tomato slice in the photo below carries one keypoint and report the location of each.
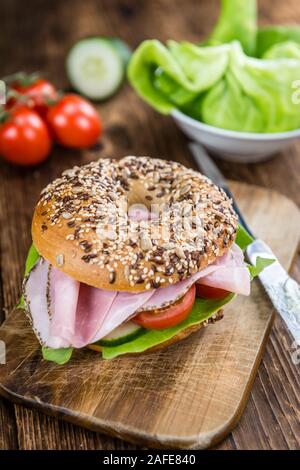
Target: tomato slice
(208, 292)
(167, 317)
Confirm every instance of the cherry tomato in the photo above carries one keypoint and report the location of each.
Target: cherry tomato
(39, 94)
(167, 317)
(24, 137)
(208, 292)
(74, 122)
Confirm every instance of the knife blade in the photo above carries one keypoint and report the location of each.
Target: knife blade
(283, 290)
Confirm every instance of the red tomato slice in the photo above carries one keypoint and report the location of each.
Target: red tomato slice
(208, 292)
(167, 317)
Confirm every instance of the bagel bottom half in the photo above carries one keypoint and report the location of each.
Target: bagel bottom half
(175, 339)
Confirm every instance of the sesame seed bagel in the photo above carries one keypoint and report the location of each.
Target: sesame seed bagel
(81, 223)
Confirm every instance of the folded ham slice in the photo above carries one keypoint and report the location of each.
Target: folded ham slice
(124, 306)
(62, 301)
(66, 313)
(230, 273)
(35, 297)
(168, 295)
(91, 312)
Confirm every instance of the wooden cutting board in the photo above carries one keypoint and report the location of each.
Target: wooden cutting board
(187, 396)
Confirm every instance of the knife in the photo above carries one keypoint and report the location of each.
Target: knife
(283, 290)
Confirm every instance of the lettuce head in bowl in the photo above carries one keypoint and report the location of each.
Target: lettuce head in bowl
(233, 102)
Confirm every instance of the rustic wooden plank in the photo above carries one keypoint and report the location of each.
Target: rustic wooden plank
(8, 430)
(41, 432)
(41, 43)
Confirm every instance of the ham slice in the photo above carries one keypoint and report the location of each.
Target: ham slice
(35, 296)
(230, 273)
(92, 309)
(124, 306)
(139, 212)
(66, 313)
(63, 299)
(168, 295)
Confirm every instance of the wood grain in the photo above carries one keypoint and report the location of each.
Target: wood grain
(189, 395)
(37, 39)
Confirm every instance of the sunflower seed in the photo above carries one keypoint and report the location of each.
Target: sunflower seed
(185, 189)
(156, 177)
(196, 198)
(146, 243)
(60, 259)
(77, 189)
(66, 215)
(179, 252)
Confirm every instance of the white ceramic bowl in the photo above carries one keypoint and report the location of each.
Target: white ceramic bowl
(242, 147)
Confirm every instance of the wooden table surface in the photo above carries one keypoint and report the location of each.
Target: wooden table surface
(38, 37)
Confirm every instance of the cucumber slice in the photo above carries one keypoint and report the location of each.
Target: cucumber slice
(123, 334)
(96, 66)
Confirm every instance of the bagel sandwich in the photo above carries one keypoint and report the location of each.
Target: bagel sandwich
(130, 256)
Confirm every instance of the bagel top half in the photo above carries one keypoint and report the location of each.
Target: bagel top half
(81, 224)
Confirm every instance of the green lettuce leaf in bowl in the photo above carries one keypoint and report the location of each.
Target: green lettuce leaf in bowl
(237, 21)
(256, 95)
(161, 74)
(270, 36)
(218, 85)
(283, 50)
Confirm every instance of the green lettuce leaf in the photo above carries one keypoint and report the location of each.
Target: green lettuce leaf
(160, 74)
(226, 105)
(268, 37)
(237, 21)
(31, 259)
(218, 85)
(261, 264)
(243, 239)
(262, 86)
(59, 356)
(201, 311)
(283, 50)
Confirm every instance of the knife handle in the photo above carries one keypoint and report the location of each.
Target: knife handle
(237, 210)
